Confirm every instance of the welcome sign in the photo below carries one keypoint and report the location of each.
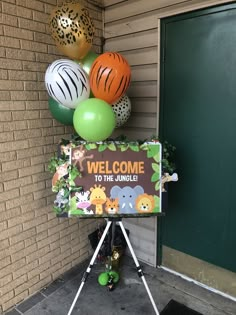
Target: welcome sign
(109, 179)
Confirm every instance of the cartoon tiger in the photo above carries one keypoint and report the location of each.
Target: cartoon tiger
(112, 206)
(110, 76)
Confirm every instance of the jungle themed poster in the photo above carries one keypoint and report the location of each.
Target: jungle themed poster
(108, 179)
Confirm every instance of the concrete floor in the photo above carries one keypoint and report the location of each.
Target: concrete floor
(129, 296)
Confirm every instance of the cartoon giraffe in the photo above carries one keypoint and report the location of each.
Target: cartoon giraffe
(98, 198)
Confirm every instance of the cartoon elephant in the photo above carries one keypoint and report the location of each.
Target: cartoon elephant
(127, 196)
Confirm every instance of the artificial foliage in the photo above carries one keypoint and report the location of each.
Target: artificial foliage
(168, 157)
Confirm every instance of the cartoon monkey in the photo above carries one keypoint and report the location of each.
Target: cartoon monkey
(79, 155)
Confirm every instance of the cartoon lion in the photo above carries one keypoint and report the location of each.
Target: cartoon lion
(112, 206)
(145, 203)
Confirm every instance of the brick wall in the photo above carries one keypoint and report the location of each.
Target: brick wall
(35, 246)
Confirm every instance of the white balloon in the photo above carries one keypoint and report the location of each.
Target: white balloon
(122, 110)
(67, 83)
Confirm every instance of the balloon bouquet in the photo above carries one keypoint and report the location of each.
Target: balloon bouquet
(87, 90)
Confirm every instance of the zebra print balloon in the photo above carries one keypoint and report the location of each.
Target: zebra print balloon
(67, 83)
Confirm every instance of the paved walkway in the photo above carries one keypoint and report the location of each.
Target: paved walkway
(129, 296)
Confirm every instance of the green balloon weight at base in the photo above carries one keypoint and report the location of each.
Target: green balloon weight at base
(103, 278)
(94, 120)
(61, 113)
(115, 275)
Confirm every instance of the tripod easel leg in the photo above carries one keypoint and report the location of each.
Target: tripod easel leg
(140, 272)
(85, 276)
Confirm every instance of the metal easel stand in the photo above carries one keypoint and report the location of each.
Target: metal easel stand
(88, 270)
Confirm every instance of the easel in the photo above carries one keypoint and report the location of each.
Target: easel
(139, 270)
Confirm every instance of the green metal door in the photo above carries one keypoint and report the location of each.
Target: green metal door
(198, 116)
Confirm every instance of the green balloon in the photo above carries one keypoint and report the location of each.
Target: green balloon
(86, 64)
(103, 278)
(91, 94)
(115, 275)
(94, 120)
(88, 60)
(61, 113)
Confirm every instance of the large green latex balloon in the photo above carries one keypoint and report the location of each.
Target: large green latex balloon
(61, 113)
(94, 120)
(88, 60)
(86, 64)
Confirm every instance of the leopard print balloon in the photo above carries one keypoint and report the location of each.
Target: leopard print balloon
(122, 110)
(72, 29)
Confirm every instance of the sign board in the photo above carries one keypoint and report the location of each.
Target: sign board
(109, 179)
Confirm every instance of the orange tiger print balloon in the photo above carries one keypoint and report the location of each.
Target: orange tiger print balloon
(109, 76)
